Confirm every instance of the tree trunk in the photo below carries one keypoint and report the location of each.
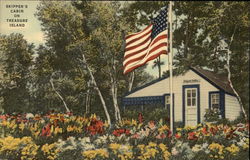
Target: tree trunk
(229, 74)
(131, 81)
(64, 103)
(97, 89)
(92, 77)
(159, 66)
(115, 102)
(87, 101)
(231, 85)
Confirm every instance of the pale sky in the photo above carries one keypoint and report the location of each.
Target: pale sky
(32, 30)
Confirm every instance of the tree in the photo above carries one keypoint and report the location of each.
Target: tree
(16, 60)
(94, 43)
(158, 64)
(199, 27)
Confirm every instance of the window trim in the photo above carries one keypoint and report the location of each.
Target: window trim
(210, 99)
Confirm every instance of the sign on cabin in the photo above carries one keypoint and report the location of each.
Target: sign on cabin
(191, 81)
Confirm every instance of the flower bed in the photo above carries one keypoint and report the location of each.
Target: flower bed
(63, 136)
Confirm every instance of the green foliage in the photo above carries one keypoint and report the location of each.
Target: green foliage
(149, 113)
(97, 30)
(16, 62)
(212, 115)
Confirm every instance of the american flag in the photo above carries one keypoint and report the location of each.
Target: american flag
(147, 44)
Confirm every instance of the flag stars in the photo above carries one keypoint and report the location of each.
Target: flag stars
(159, 23)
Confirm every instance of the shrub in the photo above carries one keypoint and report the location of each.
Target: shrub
(212, 115)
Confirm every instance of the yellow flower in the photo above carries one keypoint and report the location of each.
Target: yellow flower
(162, 147)
(36, 134)
(163, 128)
(50, 151)
(92, 154)
(12, 124)
(114, 146)
(189, 127)
(150, 153)
(70, 128)
(216, 146)
(106, 124)
(233, 149)
(9, 143)
(151, 144)
(58, 130)
(178, 129)
(21, 126)
(4, 123)
(166, 155)
(141, 146)
(133, 122)
(25, 146)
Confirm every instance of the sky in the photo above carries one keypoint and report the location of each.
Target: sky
(32, 30)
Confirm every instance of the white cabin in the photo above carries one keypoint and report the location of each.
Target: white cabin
(193, 93)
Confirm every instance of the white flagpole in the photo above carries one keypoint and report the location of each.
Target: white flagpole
(170, 67)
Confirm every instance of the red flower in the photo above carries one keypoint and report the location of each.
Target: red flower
(213, 130)
(136, 136)
(46, 130)
(3, 117)
(192, 136)
(119, 132)
(96, 126)
(177, 136)
(140, 118)
(116, 133)
(161, 136)
(127, 132)
(169, 134)
(204, 130)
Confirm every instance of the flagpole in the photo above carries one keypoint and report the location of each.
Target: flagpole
(170, 67)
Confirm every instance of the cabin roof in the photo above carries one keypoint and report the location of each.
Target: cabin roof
(219, 81)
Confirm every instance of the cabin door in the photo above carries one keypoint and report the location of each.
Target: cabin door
(191, 100)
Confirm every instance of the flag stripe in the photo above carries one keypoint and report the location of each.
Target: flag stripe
(138, 53)
(161, 38)
(147, 44)
(154, 51)
(138, 34)
(139, 39)
(150, 58)
(142, 56)
(138, 45)
(145, 60)
(138, 48)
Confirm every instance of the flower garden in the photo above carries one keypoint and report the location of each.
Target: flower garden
(65, 137)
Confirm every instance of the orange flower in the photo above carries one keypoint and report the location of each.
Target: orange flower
(204, 131)
(161, 136)
(177, 135)
(46, 130)
(192, 136)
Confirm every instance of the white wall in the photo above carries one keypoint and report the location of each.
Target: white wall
(205, 88)
(162, 87)
(232, 107)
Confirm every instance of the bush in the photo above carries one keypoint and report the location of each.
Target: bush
(148, 114)
(212, 115)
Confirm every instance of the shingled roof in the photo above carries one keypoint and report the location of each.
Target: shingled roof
(217, 80)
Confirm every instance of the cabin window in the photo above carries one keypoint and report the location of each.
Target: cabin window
(215, 100)
(191, 97)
